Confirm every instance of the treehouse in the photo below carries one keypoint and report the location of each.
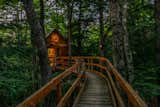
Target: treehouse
(56, 45)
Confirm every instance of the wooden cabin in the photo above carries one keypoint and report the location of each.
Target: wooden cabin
(57, 46)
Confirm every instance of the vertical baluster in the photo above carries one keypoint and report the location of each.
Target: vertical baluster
(82, 67)
(59, 92)
(91, 63)
(88, 61)
(63, 63)
(128, 102)
(54, 64)
(78, 68)
(100, 62)
(88, 65)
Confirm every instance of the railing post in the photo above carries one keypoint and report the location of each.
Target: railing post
(129, 104)
(83, 66)
(63, 63)
(91, 63)
(101, 63)
(77, 61)
(59, 92)
(88, 66)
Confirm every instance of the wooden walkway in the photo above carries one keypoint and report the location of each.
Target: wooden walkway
(93, 91)
(96, 93)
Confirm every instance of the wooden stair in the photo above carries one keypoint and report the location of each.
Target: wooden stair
(96, 93)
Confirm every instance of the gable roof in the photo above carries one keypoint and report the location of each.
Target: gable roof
(62, 42)
(56, 31)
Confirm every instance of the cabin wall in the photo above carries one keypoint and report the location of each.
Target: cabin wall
(57, 46)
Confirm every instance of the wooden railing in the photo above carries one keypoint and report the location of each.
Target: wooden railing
(123, 95)
(55, 83)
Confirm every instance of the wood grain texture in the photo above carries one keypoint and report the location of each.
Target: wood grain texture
(96, 93)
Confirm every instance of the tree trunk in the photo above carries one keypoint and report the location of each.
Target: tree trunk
(69, 28)
(101, 28)
(117, 39)
(157, 19)
(79, 39)
(122, 56)
(127, 51)
(42, 15)
(37, 40)
(157, 29)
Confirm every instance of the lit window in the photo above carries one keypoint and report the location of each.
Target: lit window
(55, 38)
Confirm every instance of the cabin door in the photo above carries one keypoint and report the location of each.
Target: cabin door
(52, 56)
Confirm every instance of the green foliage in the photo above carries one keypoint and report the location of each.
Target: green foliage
(141, 27)
(5, 2)
(15, 76)
(146, 80)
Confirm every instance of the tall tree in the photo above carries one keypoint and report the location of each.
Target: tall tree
(79, 40)
(37, 40)
(157, 19)
(117, 40)
(122, 57)
(127, 50)
(101, 27)
(157, 29)
(41, 4)
(69, 25)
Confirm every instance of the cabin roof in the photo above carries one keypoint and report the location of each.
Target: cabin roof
(62, 42)
(56, 31)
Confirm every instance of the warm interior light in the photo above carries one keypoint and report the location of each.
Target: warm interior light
(51, 52)
(55, 38)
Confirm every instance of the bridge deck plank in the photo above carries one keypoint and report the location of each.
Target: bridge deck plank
(96, 93)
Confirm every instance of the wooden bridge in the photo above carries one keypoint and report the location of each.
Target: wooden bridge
(97, 84)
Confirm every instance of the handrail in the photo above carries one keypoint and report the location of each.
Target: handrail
(127, 88)
(105, 68)
(70, 91)
(35, 98)
(133, 97)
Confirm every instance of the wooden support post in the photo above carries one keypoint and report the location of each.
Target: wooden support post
(59, 92)
(88, 62)
(101, 63)
(79, 68)
(82, 67)
(63, 63)
(54, 63)
(92, 66)
(129, 102)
